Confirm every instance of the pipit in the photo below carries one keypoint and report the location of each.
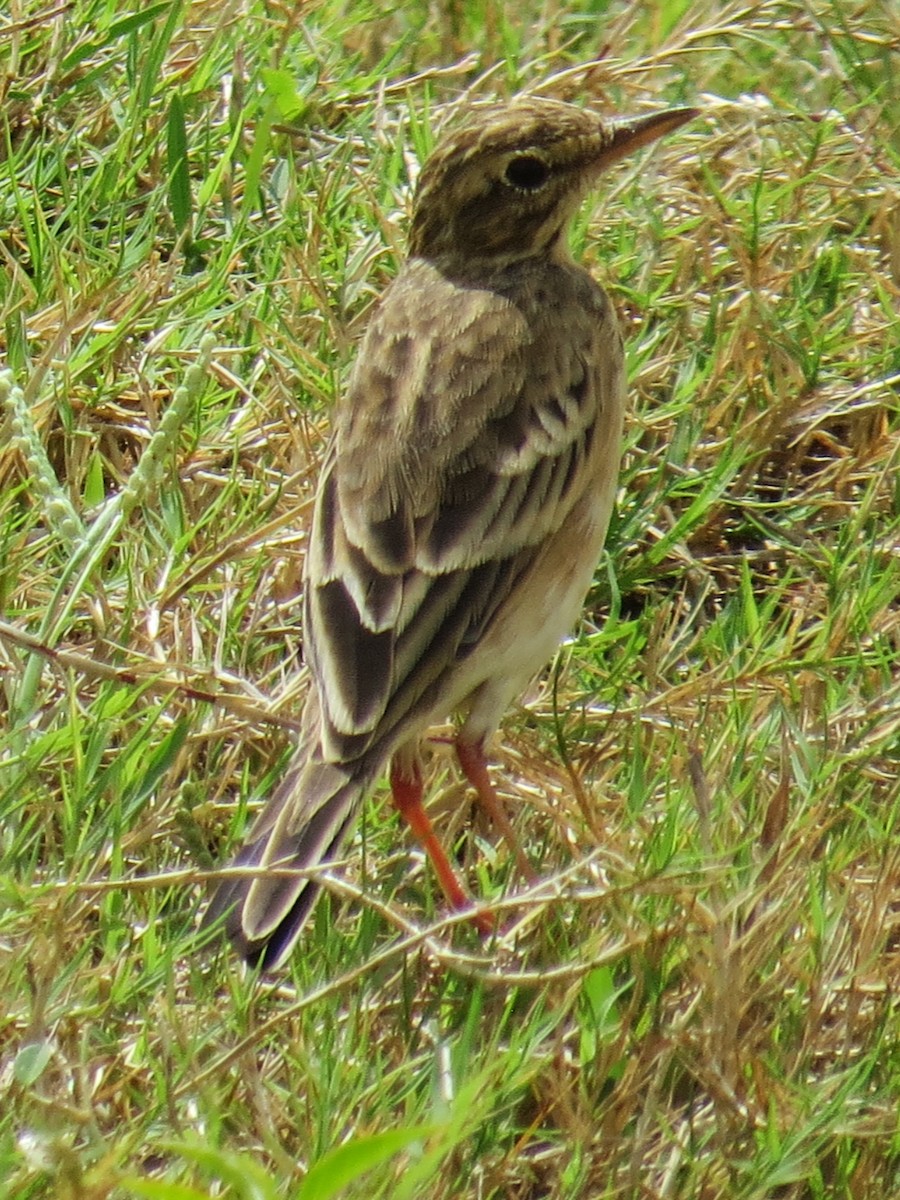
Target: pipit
(464, 497)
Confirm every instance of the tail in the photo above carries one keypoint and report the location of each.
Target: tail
(303, 825)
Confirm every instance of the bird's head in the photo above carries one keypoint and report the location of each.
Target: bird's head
(503, 186)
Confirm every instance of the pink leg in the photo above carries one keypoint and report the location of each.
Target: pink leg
(407, 790)
(474, 767)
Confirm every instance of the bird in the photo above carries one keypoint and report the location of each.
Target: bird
(463, 500)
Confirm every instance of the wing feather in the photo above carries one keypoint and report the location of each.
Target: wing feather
(450, 465)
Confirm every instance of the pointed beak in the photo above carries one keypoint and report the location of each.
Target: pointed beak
(624, 135)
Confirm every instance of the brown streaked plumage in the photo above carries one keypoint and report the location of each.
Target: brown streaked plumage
(464, 497)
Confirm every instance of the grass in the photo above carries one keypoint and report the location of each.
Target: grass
(199, 205)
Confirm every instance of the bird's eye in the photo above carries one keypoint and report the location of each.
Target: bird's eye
(526, 172)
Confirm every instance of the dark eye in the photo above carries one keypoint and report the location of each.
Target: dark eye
(527, 172)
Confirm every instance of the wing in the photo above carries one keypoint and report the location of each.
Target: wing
(459, 450)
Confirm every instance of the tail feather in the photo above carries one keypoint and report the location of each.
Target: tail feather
(303, 825)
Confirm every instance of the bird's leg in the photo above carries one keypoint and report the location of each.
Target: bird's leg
(474, 767)
(407, 791)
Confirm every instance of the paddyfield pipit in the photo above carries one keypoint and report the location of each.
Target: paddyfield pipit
(464, 496)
